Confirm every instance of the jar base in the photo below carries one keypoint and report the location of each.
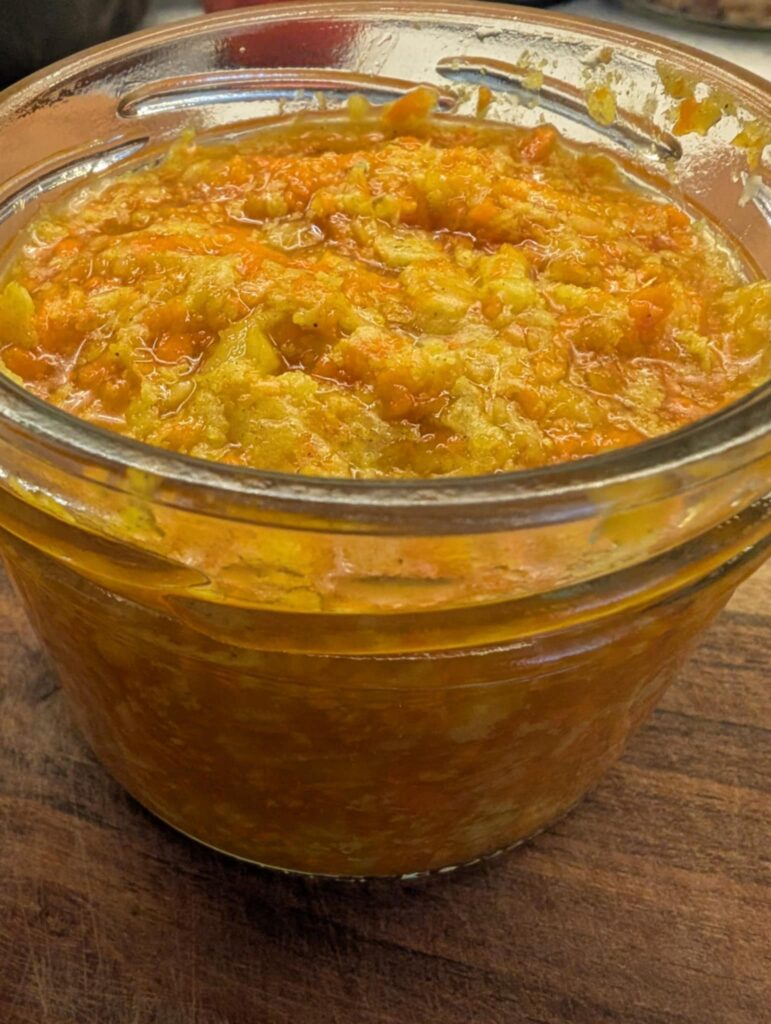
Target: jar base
(408, 876)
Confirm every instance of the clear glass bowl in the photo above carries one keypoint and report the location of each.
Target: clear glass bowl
(356, 678)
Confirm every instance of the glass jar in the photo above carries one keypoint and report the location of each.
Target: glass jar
(358, 678)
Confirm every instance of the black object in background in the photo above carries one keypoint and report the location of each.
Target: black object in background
(34, 33)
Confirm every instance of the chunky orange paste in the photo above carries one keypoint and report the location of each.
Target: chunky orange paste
(392, 295)
(395, 297)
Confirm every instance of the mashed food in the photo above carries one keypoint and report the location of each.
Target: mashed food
(389, 295)
(394, 297)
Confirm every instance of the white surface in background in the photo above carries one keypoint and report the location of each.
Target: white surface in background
(750, 50)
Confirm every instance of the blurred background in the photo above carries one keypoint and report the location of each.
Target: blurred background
(34, 33)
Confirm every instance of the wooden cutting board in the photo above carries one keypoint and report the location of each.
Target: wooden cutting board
(650, 904)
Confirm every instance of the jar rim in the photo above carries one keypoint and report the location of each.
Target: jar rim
(551, 493)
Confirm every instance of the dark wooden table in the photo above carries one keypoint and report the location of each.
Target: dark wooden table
(649, 905)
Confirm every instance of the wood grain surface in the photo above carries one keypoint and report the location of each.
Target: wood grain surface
(650, 904)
